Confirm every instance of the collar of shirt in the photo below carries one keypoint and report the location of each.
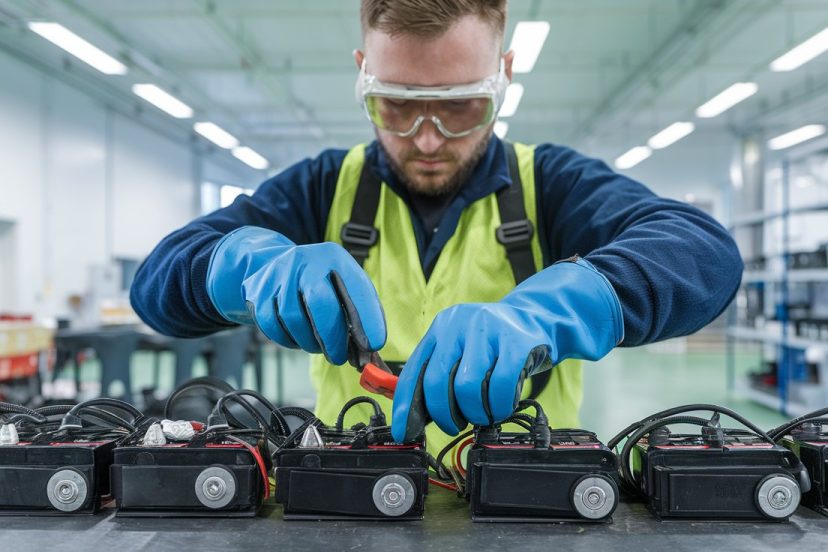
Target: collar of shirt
(490, 175)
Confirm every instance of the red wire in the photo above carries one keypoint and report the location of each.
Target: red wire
(259, 460)
(441, 484)
(458, 453)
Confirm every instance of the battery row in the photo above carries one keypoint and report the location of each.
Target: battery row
(217, 451)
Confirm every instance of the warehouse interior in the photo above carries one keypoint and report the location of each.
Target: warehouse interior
(122, 121)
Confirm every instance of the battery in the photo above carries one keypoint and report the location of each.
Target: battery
(54, 478)
(569, 479)
(226, 478)
(55, 460)
(807, 438)
(716, 474)
(336, 473)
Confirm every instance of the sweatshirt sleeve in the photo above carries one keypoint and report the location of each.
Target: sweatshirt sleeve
(169, 292)
(673, 267)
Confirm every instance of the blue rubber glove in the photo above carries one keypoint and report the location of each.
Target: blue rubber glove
(259, 276)
(472, 362)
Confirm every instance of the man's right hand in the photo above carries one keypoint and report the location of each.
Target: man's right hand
(259, 276)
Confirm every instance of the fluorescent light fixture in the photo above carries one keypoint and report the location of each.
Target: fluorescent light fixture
(512, 100)
(802, 54)
(527, 42)
(62, 37)
(501, 128)
(253, 159)
(163, 101)
(727, 99)
(671, 135)
(633, 157)
(795, 137)
(216, 135)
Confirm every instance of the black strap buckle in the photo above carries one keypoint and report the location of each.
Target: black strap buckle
(358, 234)
(517, 232)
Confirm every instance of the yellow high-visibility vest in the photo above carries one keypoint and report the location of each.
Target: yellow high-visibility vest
(471, 268)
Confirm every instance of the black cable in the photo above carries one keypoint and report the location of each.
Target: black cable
(448, 448)
(297, 434)
(111, 403)
(781, 430)
(23, 417)
(281, 425)
(687, 408)
(645, 426)
(626, 473)
(297, 412)
(206, 382)
(84, 414)
(47, 411)
(9, 408)
(518, 422)
(55, 409)
(526, 403)
(101, 414)
(378, 419)
(526, 418)
(235, 397)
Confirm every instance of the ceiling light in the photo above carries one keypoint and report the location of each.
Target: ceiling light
(795, 137)
(163, 101)
(250, 157)
(64, 38)
(802, 54)
(501, 128)
(216, 135)
(512, 100)
(671, 135)
(527, 42)
(727, 99)
(633, 157)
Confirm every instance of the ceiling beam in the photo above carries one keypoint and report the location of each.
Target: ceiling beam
(706, 28)
(278, 88)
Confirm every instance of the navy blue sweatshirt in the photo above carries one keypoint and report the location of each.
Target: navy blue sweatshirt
(673, 267)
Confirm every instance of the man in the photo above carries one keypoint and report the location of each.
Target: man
(441, 220)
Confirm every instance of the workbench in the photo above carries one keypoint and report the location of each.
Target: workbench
(446, 527)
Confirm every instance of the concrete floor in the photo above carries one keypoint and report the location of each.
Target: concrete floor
(623, 387)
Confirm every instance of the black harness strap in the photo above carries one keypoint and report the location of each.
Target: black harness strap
(515, 233)
(359, 234)
(516, 230)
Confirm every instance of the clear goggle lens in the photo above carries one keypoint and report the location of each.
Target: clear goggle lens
(454, 117)
(456, 110)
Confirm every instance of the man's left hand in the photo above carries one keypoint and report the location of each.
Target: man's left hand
(472, 362)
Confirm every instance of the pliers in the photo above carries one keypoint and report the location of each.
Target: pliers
(375, 376)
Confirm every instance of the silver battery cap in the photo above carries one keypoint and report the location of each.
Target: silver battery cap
(394, 494)
(594, 496)
(67, 490)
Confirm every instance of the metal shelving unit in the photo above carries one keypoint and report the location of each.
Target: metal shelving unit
(793, 395)
(759, 217)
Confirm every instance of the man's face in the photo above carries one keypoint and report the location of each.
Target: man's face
(428, 162)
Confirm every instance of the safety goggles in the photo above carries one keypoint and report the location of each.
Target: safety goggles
(456, 111)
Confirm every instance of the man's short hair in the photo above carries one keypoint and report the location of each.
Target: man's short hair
(428, 18)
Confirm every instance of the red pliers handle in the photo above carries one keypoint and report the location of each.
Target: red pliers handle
(376, 376)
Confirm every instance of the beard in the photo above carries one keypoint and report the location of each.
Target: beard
(448, 185)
